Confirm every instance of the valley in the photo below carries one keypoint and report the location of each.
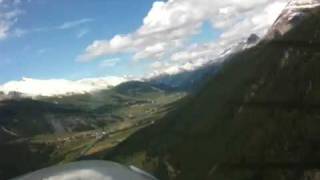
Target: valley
(250, 113)
(257, 118)
(52, 130)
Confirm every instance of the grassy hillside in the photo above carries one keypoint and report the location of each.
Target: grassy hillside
(258, 118)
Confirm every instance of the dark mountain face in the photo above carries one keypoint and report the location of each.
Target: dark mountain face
(257, 118)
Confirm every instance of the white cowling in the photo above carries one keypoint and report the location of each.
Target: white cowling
(88, 170)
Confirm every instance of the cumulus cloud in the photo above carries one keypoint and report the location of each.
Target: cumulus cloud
(168, 25)
(99, 48)
(172, 68)
(196, 51)
(54, 87)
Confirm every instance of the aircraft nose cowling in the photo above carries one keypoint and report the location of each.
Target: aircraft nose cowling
(84, 170)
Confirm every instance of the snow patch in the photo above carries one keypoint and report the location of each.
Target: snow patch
(56, 87)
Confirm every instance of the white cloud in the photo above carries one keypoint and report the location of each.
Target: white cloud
(9, 14)
(18, 32)
(157, 64)
(234, 29)
(72, 24)
(109, 62)
(196, 51)
(53, 87)
(4, 29)
(155, 51)
(169, 68)
(100, 47)
(169, 24)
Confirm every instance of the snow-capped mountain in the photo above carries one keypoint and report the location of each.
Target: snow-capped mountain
(56, 87)
(293, 14)
(191, 75)
(251, 41)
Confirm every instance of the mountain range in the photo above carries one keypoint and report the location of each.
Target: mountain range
(254, 115)
(257, 118)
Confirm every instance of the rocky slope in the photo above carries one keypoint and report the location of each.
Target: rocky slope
(293, 14)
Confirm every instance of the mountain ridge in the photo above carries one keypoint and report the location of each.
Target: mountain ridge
(256, 119)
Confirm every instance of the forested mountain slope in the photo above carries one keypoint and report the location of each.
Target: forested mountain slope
(258, 118)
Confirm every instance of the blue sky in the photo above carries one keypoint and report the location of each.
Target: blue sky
(47, 50)
(75, 39)
(51, 52)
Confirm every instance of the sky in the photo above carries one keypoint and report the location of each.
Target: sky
(76, 39)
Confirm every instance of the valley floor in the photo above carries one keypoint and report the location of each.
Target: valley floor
(130, 113)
